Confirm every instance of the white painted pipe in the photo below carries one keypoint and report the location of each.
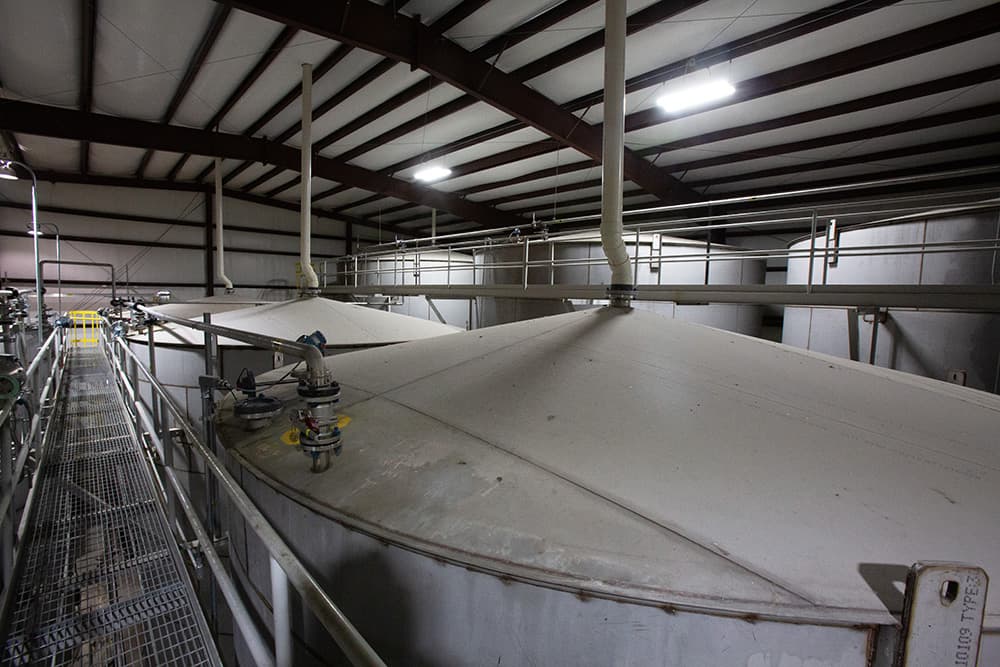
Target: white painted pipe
(220, 265)
(614, 143)
(309, 278)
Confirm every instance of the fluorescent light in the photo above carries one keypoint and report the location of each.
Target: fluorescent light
(696, 96)
(31, 232)
(429, 174)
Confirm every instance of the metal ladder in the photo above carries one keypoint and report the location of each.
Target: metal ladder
(100, 579)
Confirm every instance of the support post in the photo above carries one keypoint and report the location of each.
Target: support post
(281, 610)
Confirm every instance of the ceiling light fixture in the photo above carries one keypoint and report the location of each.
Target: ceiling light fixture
(430, 174)
(7, 172)
(696, 96)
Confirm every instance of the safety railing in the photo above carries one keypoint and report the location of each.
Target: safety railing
(86, 327)
(161, 422)
(530, 253)
(26, 400)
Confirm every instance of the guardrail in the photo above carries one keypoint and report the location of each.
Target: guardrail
(23, 439)
(160, 421)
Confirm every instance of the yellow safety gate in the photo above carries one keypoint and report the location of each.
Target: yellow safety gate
(85, 329)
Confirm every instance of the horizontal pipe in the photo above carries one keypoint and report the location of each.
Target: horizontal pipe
(308, 353)
(358, 651)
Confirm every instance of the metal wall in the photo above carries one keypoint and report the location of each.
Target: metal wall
(951, 346)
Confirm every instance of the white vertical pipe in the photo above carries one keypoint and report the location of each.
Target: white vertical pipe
(614, 143)
(281, 608)
(39, 289)
(309, 277)
(220, 268)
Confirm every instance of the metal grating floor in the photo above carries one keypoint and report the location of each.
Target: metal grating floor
(101, 579)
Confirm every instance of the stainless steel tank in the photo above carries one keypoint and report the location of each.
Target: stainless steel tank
(180, 358)
(578, 259)
(957, 346)
(427, 267)
(618, 488)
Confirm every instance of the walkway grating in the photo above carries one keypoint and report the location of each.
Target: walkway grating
(101, 579)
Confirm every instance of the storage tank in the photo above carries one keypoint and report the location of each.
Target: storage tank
(180, 358)
(659, 264)
(962, 347)
(412, 267)
(195, 308)
(613, 487)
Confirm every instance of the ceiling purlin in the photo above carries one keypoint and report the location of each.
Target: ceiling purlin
(913, 42)
(903, 94)
(931, 37)
(407, 40)
(208, 40)
(325, 65)
(775, 35)
(46, 176)
(864, 159)
(495, 46)
(453, 17)
(272, 52)
(52, 121)
(88, 42)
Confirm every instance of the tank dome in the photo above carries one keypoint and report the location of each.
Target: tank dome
(345, 325)
(622, 454)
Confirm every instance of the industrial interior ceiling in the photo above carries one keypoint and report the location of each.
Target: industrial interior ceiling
(507, 94)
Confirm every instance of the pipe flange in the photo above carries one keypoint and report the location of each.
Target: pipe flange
(324, 392)
(621, 295)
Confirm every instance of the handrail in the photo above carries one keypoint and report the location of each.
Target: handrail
(313, 357)
(13, 460)
(347, 637)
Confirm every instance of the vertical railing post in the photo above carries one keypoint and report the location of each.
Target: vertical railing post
(282, 617)
(524, 265)
(812, 253)
(6, 485)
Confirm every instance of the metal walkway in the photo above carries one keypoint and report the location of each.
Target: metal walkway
(101, 579)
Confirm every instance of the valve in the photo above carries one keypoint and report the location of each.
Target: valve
(316, 339)
(319, 433)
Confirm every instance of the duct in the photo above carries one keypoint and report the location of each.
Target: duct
(614, 141)
(310, 281)
(220, 268)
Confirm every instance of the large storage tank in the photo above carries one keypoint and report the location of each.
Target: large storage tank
(195, 308)
(613, 487)
(956, 346)
(410, 267)
(180, 358)
(579, 259)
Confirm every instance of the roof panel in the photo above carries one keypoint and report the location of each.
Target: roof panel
(478, 117)
(425, 102)
(24, 26)
(927, 67)
(239, 46)
(49, 153)
(283, 74)
(341, 198)
(549, 160)
(488, 21)
(114, 160)
(356, 62)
